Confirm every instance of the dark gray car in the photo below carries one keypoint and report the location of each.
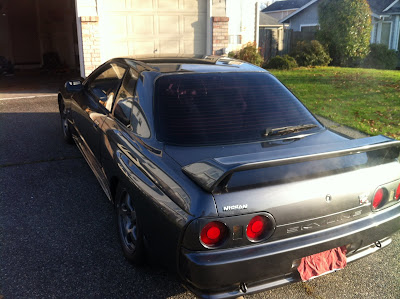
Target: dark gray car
(220, 173)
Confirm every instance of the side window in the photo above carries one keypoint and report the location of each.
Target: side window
(124, 100)
(105, 85)
(127, 108)
(139, 123)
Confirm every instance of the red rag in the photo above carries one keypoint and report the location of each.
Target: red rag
(320, 263)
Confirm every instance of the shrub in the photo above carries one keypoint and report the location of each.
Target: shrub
(310, 54)
(345, 27)
(381, 57)
(285, 62)
(249, 53)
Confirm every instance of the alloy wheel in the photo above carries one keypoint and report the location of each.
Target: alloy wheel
(127, 222)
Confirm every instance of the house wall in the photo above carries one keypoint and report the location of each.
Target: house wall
(386, 31)
(87, 23)
(242, 23)
(218, 8)
(220, 35)
(279, 15)
(308, 16)
(248, 21)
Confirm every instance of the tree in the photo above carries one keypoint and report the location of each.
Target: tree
(346, 30)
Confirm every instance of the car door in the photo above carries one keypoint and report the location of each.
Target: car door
(94, 103)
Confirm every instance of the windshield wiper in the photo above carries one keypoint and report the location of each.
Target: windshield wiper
(287, 130)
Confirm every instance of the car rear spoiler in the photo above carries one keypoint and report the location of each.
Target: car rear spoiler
(213, 174)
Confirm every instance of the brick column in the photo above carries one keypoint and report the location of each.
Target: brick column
(90, 43)
(220, 35)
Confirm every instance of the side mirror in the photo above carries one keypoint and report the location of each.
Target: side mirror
(73, 86)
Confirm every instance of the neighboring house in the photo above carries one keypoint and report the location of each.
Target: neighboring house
(85, 33)
(385, 16)
(280, 9)
(271, 40)
(267, 21)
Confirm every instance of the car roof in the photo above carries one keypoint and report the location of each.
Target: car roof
(196, 64)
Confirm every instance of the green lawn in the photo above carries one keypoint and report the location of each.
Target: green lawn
(367, 100)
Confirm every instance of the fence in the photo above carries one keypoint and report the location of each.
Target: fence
(279, 41)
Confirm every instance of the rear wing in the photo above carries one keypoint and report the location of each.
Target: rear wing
(213, 174)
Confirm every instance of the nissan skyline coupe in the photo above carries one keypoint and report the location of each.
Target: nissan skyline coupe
(217, 171)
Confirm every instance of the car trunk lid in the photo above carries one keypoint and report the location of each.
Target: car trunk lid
(330, 181)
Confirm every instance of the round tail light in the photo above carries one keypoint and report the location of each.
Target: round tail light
(397, 197)
(379, 198)
(258, 228)
(213, 234)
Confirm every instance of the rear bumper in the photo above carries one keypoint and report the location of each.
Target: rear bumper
(218, 273)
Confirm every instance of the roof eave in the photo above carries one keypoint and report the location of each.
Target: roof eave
(390, 6)
(297, 11)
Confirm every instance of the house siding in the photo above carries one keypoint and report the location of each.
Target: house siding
(242, 22)
(279, 15)
(380, 31)
(308, 16)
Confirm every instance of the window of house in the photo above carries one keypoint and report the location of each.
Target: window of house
(374, 37)
(307, 28)
(385, 34)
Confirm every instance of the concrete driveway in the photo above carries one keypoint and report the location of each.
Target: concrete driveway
(58, 237)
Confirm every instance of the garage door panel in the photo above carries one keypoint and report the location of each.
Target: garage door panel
(140, 4)
(169, 46)
(139, 47)
(114, 26)
(168, 5)
(168, 25)
(194, 24)
(141, 25)
(114, 5)
(118, 48)
(153, 26)
(193, 47)
(195, 5)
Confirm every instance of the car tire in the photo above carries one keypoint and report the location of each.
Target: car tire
(129, 229)
(66, 130)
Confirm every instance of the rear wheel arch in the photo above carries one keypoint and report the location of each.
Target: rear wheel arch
(130, 229)
(113, 182)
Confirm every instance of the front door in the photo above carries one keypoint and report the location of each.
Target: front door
(94, 103)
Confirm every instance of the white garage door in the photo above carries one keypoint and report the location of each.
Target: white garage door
(143, 27)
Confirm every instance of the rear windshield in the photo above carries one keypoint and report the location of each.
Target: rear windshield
(223, 108)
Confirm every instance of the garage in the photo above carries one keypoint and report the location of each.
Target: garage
(39, 34)
(165, 27)
(79, 35)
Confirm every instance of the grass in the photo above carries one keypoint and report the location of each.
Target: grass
(365, 99)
